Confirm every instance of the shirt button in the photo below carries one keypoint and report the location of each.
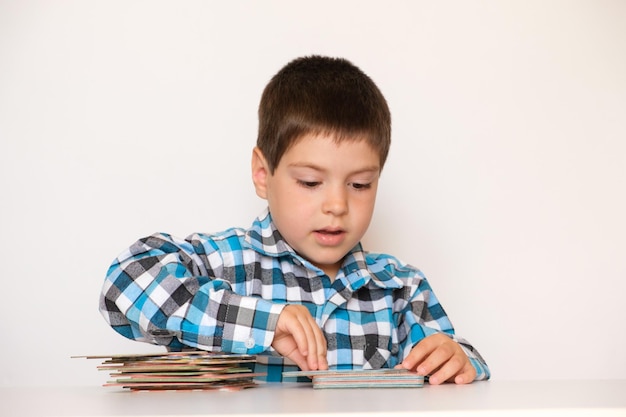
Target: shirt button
(250, 343)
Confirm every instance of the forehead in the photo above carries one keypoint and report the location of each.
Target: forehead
(329, 140)
(326, 151)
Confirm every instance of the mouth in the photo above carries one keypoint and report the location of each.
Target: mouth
(330, 236)
(330, 231)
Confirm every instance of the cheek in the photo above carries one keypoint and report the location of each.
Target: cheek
(279, 195)
(295, 199)
(365, 204)
(365, 212)
(290, 211)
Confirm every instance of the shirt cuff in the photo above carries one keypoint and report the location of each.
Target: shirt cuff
(250, 326)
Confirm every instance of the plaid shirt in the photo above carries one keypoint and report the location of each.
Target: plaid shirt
(224, 292)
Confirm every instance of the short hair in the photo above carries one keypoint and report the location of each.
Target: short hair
(321, 95)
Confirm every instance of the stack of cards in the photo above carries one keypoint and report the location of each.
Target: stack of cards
(195, 370)
(376, 378)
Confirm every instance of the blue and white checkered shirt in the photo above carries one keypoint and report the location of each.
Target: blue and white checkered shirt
(224, 292)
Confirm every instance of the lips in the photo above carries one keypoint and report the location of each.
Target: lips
(330, 231)
(329, 236)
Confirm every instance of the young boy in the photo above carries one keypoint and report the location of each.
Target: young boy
(297, 288)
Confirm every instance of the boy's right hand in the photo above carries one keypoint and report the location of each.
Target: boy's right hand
(299, 338)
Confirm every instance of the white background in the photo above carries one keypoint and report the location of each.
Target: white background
(505, 183)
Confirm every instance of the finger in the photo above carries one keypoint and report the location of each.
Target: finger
(449, 368)
(467, 375)
(299, 331)
(287, 346)
(309, 342)
(317, 347)
(306, 334)
(300, 360)
(419, 352)
(436, 359)
(320, 340)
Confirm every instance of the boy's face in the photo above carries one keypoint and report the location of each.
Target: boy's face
(321, 196)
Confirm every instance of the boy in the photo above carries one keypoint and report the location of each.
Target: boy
(297, 288)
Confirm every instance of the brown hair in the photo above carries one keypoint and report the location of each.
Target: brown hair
(321, 95)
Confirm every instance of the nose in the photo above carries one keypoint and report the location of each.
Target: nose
(335, 201)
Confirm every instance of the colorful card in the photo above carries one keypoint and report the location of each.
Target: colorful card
(188, 370)
(375, 378)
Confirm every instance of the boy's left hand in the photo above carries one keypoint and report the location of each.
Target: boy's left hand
(442, 358)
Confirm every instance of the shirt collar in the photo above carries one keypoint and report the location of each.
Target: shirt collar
(361, 268)
(264, 238)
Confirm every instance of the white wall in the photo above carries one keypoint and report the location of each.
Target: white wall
(505, 184)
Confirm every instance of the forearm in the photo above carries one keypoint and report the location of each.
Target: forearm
(424, 317)
(417, 341)
(159, 292)
(227, 322)
(476, 359)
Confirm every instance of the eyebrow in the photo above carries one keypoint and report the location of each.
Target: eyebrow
(372, 168)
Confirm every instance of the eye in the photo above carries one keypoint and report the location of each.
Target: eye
(360, 186)
(308, 184)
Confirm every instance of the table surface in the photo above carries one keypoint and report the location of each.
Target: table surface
(497, 398)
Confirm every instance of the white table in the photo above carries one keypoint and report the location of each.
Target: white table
(492, 398)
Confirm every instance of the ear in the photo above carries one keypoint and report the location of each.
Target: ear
(260, 172)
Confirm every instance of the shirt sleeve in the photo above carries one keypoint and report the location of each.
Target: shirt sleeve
(161, 291)
(425, 316)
